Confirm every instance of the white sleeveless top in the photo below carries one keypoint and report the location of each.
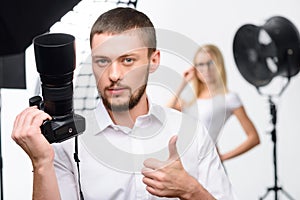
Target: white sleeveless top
(214, 112)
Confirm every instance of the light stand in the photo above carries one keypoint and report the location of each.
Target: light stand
(1, 162)
(275, 188)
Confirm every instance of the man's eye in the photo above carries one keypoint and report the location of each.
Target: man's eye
(128, 61)
(102, 62)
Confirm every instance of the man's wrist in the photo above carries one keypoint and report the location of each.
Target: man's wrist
(42, 166)
(195, 191)
(191, 187)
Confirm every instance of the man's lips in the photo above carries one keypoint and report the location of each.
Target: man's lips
(116, 90)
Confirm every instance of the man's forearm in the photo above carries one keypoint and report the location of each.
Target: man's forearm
(45, 186)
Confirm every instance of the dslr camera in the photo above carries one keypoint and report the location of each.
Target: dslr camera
(55, 62)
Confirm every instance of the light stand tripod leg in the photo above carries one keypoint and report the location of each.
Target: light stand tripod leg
(265, 195)
(286, 194)
(276, 189)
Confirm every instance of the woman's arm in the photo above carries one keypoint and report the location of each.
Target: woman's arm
(176, 102)
(251, 132)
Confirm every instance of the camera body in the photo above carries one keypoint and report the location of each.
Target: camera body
(60, 128)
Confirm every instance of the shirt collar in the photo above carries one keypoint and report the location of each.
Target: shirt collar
(104, 120)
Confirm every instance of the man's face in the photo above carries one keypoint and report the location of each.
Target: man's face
(121, 66)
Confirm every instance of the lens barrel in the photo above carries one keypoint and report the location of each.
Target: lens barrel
(55, 62)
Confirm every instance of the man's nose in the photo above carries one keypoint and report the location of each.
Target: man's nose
(115, 72)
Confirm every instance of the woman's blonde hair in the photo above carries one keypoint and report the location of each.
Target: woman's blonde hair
(218, 60)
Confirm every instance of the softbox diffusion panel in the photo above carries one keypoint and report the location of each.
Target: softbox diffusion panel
(12, 71)
(20, 22)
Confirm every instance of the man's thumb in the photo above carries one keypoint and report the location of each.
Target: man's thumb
(173, 154)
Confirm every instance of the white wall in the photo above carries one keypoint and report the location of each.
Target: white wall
(204, 22)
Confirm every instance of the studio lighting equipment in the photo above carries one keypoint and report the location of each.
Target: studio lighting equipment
(263, 52)
(55, 62)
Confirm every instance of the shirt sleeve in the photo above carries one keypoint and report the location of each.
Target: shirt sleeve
(211, 173)
(65, 173)
(233, 101)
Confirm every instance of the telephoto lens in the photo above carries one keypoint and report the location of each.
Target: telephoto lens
(55, 61)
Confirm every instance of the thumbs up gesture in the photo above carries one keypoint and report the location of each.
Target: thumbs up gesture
(166, 178)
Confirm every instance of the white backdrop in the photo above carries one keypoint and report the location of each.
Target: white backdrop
(204, 22)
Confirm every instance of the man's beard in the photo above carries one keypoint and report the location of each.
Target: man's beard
(134, 99)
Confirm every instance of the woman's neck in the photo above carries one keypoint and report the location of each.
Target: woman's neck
(212, 90)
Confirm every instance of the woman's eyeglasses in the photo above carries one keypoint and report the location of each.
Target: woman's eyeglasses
(201, 65)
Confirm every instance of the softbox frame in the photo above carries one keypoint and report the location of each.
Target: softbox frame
(263, 52)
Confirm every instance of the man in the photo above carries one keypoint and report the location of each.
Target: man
(125, 132)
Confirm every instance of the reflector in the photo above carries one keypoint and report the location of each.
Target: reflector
(263, 52)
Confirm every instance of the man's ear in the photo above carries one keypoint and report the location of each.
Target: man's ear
(154, 61)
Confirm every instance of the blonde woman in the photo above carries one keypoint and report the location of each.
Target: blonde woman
(214, 101)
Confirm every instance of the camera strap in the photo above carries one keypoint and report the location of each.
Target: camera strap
(76, 158)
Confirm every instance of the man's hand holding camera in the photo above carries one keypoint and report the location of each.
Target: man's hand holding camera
(27, 133)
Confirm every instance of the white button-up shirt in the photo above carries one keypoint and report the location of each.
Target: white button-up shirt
(111, 156)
